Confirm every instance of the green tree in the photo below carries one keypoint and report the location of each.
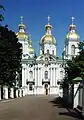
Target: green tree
(10, 56)
(75, 67)
(1, 9)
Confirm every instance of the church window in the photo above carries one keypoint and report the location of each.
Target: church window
(30, 75)
(46, 65)
(53, 52)
(30, 65)
(61, 74)
(72, 49)
(42, 51)
(47, 51)
(30, 86)
(46, 74)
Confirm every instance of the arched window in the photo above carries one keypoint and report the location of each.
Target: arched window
(73, 50)
(42, 51)
(30, 75)
(61, 74)
(46, 74)
(53, 52)
(47, 51)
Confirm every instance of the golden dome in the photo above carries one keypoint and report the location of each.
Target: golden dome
(72, 27)
(48, 27)
(22, 35)
(31, 50)
(21, 26)
(72, 36)
(48, 39)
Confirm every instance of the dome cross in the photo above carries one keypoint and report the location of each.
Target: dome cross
(49, 19)
(72, 18)
(22, 19)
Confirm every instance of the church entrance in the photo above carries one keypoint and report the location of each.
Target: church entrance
(46, 89)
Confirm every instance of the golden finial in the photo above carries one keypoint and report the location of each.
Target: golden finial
(73, 18)
(48, 19)
(22, 19)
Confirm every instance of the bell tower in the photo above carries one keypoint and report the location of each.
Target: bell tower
(72, 41)
(48, 42)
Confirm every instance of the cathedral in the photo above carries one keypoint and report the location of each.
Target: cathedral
(43, 74)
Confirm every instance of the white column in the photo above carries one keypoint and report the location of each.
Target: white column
(20, 92)
(0, 92)
(25, 89)
(38, 77)
(17, 93)
(43, 73)
(11, 92)
(33, 73)
(35, 77)
(5, 88)
(80, 97)
(76, 95)
(83, 101)
(51, 77)
(54, 77)
(27, 74)
(23, 76)
(23, 92)
(49, 74)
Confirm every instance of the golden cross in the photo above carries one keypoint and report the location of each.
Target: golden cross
(73, 18)
(48, 19)
(22, 19)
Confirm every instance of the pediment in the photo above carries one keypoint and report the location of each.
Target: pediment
(45, 57)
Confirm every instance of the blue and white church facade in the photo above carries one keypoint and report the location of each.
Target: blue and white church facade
(43, 74)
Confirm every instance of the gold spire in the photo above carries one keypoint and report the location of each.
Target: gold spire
(72, 18)
(22, 33)
(48, 38)
(72, 35)
(21, 25)
(31, 50)
(48, 26)
(72, 26)
(48, 19)
(22, 19)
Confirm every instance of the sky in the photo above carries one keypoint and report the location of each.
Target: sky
(35, 13)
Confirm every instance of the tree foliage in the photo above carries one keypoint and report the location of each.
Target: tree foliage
(75, 67)
(1, 9)
(10, 56)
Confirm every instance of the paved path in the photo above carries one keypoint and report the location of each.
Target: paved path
(34, 108)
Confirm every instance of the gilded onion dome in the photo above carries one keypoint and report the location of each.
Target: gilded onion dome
(48, 38)
(72, 35)
(22, 34)
(31, 49)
